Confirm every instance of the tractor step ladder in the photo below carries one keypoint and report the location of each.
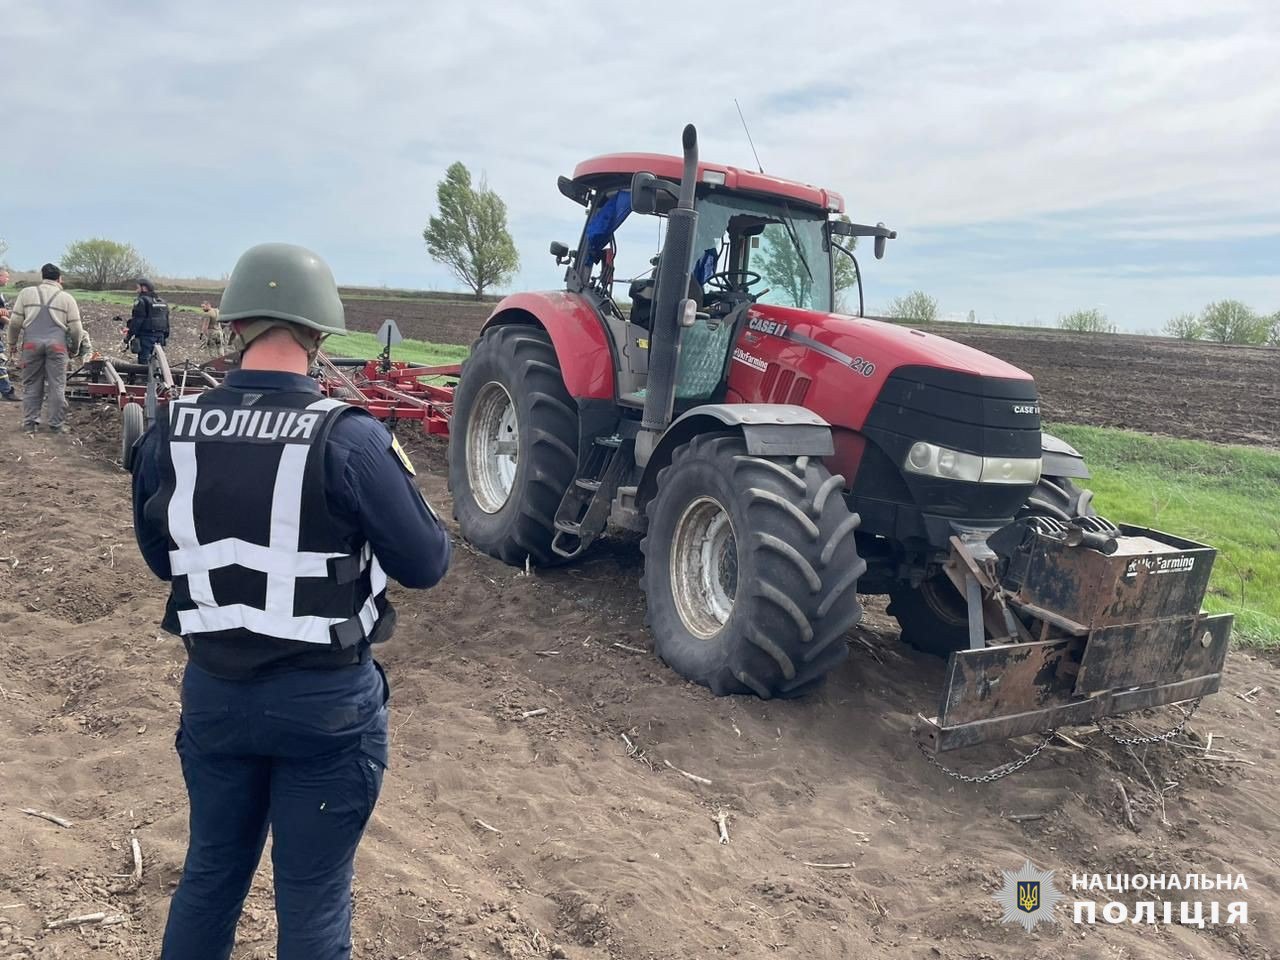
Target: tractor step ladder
(584, 511)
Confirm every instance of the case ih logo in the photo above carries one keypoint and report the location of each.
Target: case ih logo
(771, 327)
(1160, 565)
(1027, 408)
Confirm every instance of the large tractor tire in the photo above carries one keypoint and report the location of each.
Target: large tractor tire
(934, 617)
(751, 569)
(513, 445)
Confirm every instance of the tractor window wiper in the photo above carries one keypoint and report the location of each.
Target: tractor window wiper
(795, 238)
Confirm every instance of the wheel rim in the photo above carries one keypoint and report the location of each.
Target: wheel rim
(493, 447)
(704, 567)
(945, 601)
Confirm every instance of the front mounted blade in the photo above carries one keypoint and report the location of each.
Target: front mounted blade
(1112, 632)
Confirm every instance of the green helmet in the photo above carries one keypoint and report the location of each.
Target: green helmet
(280, 281)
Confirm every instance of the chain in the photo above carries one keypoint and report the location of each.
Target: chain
(1002, 771)
(1159, 737)
(995, 773)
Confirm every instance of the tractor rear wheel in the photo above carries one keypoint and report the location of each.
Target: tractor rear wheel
(751, 569)
(933, 617)
(513, 444)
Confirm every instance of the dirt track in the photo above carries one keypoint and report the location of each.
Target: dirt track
(605, 855)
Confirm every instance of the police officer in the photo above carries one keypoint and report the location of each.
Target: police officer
(149, 321)
(277, 515)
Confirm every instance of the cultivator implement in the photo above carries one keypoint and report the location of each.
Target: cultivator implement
(1074, 622)
(390, 391)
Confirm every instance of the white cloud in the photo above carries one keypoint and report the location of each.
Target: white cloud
(330, 122)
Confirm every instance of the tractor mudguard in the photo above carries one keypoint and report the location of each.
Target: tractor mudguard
(577, 333)
(1060, 459)
(770, 430)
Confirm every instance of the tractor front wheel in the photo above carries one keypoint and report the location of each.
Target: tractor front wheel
(751, 569)
(934, 617)
(513, 445)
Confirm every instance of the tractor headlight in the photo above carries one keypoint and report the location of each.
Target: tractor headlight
(930, 460)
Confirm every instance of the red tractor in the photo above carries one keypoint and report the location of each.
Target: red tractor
(781, 459)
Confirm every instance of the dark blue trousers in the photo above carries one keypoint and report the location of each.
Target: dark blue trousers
(147, 345)
(302, 752)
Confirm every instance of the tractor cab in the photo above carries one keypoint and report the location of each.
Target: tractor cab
(758, 239)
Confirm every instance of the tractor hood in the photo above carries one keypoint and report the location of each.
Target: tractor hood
(859, 373)
(875, 344)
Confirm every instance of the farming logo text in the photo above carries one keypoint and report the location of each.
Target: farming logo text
(1177, 564)
(1028, 896)
(1190, 911)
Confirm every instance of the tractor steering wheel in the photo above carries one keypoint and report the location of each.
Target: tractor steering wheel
(731, 281)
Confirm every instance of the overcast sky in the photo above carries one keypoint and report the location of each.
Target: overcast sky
(1034, 157)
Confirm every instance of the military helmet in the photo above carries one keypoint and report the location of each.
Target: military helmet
(280, 281)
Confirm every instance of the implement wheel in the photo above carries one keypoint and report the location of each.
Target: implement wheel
(751, 569)
(132, 426)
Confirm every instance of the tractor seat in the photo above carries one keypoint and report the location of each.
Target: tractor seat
(642, 291)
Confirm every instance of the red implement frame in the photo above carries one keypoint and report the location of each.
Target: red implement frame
(389, 391)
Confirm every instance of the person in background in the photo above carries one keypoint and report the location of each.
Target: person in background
(277, 515)
(210, 328)
(7, 391)
(44, 319)
(149, 322)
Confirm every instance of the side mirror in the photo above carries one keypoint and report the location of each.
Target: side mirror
(644, 193)
(559, 251)
(647, 194)
(880, 242)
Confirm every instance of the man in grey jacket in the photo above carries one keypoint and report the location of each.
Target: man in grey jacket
(44, 320)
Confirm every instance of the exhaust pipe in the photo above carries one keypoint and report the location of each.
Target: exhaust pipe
(675, 267)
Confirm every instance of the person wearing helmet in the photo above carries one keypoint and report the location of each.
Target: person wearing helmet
(277, 515)
(149, 321)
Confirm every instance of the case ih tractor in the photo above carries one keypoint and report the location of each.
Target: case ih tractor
(781, 459)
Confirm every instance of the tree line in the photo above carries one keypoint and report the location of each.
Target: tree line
(469, 235)
(1227, 321)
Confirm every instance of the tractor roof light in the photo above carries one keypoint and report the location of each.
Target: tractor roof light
(931, 460)
(714, 177)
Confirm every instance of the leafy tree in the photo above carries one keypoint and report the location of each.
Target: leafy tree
(779, 263)
(470, 234)
(99, 264)
(1230, 321)
(1086, 321)
(844, 273)
(916, 305)
(1273, 336)
(1185, 326)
